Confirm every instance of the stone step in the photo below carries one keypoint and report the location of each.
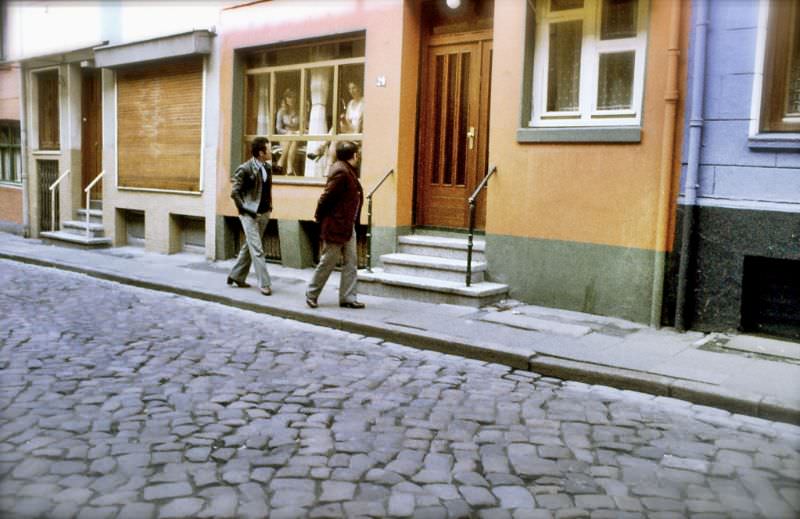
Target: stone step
(96, 230)
(95, 215)
(435, 267)
(75, 240)
(441, 246)
(96, 204)
(382, 283)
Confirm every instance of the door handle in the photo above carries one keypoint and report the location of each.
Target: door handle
(471, 137)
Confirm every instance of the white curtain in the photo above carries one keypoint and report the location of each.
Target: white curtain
(262, 114)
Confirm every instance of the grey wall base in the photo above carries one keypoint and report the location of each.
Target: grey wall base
(585, 277)
(723, 238)
(296, 248)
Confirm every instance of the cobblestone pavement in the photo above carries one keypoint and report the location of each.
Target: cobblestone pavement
(122, 402)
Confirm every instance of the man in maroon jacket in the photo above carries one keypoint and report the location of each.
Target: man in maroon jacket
(338, 210)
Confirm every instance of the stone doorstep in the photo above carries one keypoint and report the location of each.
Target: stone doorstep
(764, 346)
(441, 242)
(76, 239)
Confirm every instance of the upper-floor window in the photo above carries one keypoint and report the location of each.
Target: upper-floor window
(9, 152)
(780, 94)
(304, 98)
(588, 67)
(47, 108)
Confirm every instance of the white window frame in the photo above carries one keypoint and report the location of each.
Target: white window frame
(591, 48)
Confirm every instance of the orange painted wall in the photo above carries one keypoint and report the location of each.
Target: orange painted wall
(11, 204)
(285, 21)
(9, 93)
(592, 193)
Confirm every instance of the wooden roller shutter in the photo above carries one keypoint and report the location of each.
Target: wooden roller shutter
(159, 115)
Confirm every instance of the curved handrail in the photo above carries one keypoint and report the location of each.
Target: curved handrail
(53, 199)
(88, 190)
(369, 217)
(472, 202)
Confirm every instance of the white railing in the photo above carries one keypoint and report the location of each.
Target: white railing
(53, 201)
(88, 191)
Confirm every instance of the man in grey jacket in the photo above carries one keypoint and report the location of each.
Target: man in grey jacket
(252, 194)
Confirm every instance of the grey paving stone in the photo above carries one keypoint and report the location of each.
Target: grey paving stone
(401, 504)
(337, 491)
(514, 497)
(167, 490)
(137, 511)
(185, 507)
(477, 496)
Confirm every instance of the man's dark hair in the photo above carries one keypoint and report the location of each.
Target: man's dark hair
(259, 144)
(345, 150)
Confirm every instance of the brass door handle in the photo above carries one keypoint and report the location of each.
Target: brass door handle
(471, 137)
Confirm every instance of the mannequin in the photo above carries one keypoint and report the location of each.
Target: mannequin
(352, 118)
(288, 123)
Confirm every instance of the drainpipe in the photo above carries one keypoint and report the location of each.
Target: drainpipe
(23, 154)
(693, 165)
(671, 95)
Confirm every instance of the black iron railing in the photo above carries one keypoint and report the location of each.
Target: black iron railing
(472, 201)
(369, 217)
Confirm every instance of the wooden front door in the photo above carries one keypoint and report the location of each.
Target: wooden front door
(91, 133)
(454, 124)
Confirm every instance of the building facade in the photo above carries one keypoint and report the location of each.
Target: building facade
(576, 106)
(11, 209)
(739, 216)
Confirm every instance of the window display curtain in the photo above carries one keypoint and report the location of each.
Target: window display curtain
(262, 95)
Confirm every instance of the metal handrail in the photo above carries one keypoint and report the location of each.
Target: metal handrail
(53, 199)
(88, 190)
(472, 202)
(369, 218)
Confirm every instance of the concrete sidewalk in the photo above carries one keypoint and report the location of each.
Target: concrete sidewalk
(743, 374)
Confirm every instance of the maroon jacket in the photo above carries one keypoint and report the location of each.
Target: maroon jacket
(339, 206)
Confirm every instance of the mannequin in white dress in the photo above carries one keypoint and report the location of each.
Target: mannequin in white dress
(352, 118)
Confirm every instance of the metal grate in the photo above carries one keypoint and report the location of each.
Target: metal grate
(47, 171)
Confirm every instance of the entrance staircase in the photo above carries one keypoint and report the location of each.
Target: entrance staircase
(433, 269)
(77, 233)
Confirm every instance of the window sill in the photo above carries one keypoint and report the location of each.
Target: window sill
(298, 181)
(584, 134)
(11, 184)
(774, 142)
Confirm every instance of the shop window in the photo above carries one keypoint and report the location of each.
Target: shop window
(304, 99)
(587, 63)
(9, 152)
(47, 106)
(780, 96)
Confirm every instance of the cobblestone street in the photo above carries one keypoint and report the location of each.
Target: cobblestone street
(118, 402)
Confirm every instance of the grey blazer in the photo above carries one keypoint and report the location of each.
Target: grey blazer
(247, 187)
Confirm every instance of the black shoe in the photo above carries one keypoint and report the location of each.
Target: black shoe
(240, 284)
(311, 302)
(352, 304)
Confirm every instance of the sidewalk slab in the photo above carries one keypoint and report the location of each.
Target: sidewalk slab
(551, 342)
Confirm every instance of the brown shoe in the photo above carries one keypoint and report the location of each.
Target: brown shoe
(266, 291)
(352, 304)
(240, 284)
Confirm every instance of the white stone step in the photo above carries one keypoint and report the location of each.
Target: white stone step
(382, 283)
(95, 215)
(96, 230)
(445, 269)
(440, 246)
(77, 240)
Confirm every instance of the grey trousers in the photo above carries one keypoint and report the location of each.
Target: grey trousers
(253, 250)
(348, 284)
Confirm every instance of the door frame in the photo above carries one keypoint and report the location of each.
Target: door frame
(484, 39)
